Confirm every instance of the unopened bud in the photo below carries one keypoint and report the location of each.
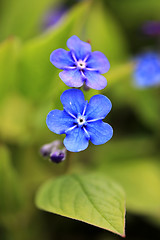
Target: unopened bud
(50, 147)
(58, 155)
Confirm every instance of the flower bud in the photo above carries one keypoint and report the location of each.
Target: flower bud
(50, 147)
(58, 155)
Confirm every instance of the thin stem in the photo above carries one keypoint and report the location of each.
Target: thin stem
(68, 161)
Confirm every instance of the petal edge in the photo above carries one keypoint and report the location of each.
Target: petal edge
(100, 132)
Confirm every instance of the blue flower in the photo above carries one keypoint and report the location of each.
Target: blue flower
(147, 70)
(81, 121)
(80, 65)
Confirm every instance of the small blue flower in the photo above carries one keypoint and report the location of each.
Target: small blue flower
(80, 65)
(147, 70)
(81, 121)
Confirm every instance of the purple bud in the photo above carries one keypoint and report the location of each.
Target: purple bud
(50, 147)
(45, 150)
(58, 155)
(56, 143)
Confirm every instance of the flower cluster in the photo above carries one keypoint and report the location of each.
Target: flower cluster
(81, 120)
(147, 70)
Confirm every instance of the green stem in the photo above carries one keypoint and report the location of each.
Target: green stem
(68, 161)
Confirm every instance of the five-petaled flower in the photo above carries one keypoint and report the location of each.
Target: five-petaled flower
(147, 70)
(81, 121)
(80, 65)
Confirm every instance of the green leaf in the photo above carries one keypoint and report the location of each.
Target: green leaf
(22, 19)
(10, 192)
(136, 12)
(141, 181)
(9, 51)
(16, 119)
(105, 33)
(133, 166)
(38, 77)
(89, 198)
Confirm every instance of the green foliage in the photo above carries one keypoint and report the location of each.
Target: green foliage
(10, 189)
(9, 50)
(135, 12)
(30, 87)
(32, 76)
(134, 167)
(21, 18)
(146, 105)
(143, 102)
(89, 198)
(105, 34)
(37, 76)
(15, 125)
(141, 181)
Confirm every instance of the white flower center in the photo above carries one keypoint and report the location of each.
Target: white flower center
(81, 120)
(81, 64)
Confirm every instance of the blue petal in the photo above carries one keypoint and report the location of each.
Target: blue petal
(81, 49)
(59, 121)
(100, 132)
(95, 80)
(61, 58)
(98, 61)
(98, 107)
(76, 140)
(73, 101)
(72, 78)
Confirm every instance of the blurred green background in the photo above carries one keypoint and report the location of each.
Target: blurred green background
(30, 87)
